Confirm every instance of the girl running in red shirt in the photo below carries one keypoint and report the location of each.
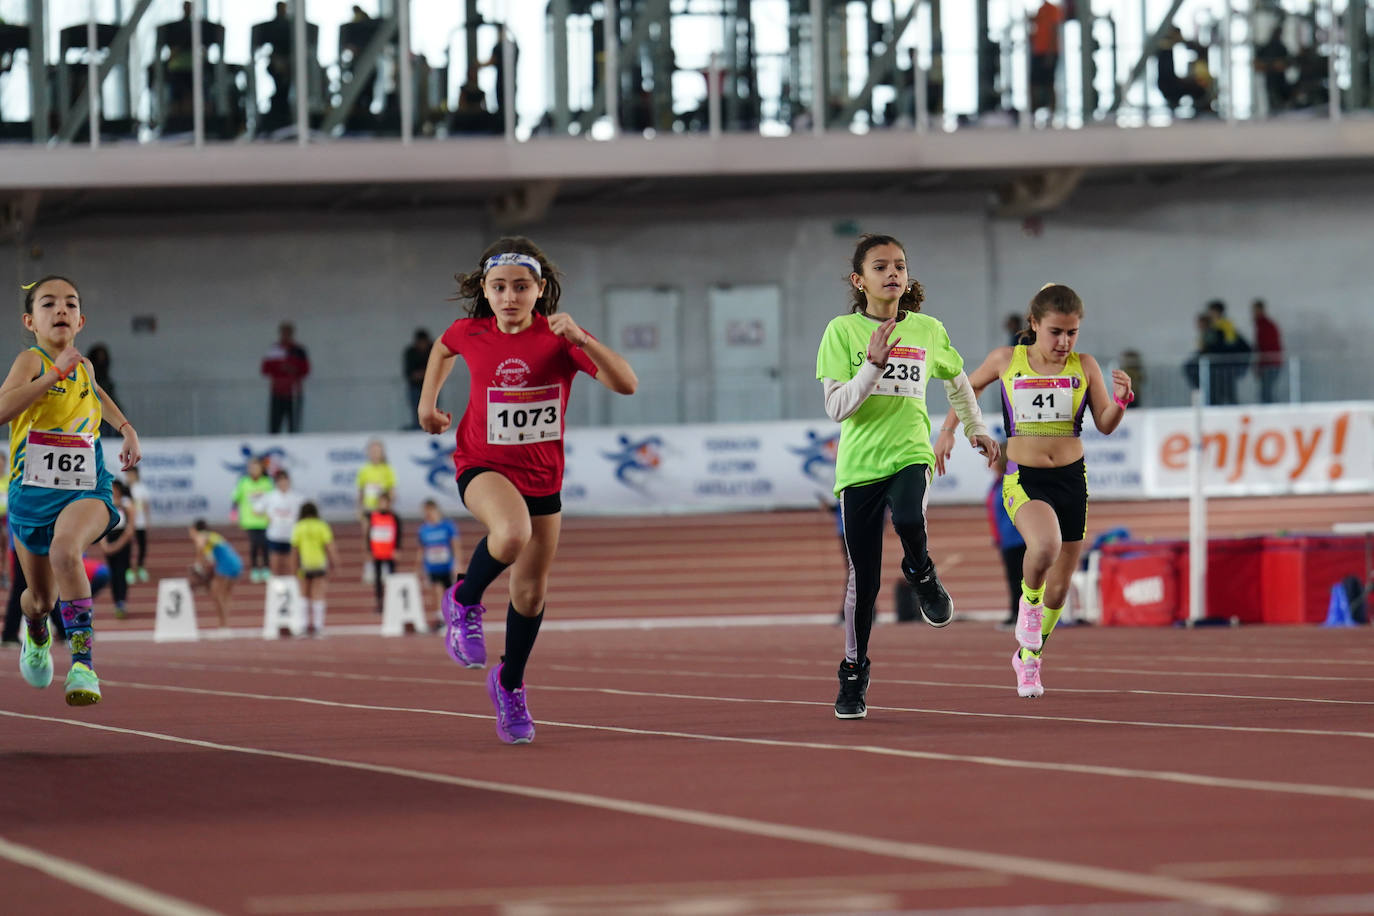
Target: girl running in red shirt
(522, 355)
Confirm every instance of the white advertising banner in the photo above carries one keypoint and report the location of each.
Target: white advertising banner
(1313, 448)
(1263, 450)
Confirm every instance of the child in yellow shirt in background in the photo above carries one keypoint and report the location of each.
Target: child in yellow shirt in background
(313, 553)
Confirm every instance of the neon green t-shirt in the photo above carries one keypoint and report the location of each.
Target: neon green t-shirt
(373, 481)
(891, 428)
(311, 537)
(244, 492)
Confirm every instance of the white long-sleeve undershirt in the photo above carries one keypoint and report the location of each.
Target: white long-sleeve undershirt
(843, 398)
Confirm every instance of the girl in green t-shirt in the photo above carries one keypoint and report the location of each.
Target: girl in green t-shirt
(875, 386)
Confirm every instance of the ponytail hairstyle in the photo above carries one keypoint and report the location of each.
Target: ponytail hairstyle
(1052, 297)
(31, 289)
(470, 284)
(911, 299)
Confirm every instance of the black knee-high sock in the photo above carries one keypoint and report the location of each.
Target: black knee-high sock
(483, 569)
(520, 635)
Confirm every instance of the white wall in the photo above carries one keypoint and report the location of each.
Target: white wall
(1144, 257)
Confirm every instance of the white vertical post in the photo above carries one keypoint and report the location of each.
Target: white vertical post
(1228, 87)
(92, 78)
(197, 77)
(1333, 91)
(508, 68)
(1197, 521)
(713, 94)
(919, 87)
(300, 54)
(404, 78)
(818, 88)
(611, 78)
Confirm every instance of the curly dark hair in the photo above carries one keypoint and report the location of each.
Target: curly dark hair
(31, 289)
(470, 284)
(911, 299)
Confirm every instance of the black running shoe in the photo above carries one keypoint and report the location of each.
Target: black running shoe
(853, 688)
(936, 605)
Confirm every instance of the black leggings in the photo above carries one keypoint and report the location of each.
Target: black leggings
(257, 548)
(863, 507)
(119, 565)
(141, 539)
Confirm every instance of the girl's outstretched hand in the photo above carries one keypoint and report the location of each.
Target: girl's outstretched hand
(878, 345)
(131, 452)
(988, 446)
(944, 447)
(435, 421)
(67, 361)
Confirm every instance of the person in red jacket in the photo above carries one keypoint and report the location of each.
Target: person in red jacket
(286, 365)
(383, 541)
(1269, 350)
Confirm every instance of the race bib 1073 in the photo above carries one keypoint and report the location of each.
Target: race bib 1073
(519, 416)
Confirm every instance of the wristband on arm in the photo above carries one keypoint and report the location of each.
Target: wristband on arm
(1130, 399)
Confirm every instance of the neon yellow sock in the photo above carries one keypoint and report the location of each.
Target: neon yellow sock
(1032, 595)
(1049, 619)
(1047, 623)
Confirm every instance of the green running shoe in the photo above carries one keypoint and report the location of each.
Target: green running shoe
(83, 687)
(35, 660)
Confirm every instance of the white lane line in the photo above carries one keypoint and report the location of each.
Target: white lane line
(1253, 868)
(1122, 882)
(617, 691)
(1001, 688)
(134, 896)
(742, 896)
(962, 666)
(1179, 778)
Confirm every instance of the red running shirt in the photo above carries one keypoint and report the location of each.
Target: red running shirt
(517, 400)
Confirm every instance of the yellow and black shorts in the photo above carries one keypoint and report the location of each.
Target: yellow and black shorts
(1065, 489)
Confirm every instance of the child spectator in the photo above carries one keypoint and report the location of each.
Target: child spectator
(383, 541)
(138, 499)
(250, 486)
(282, 506)
(313, 553)
(439, 546)
(217, 567)
(118, 548)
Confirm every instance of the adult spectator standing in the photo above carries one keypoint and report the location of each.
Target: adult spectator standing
(1272, 60)
(286, 365)
(413, 362)
(1269, 343)
(1046, 25)
(1012, 325)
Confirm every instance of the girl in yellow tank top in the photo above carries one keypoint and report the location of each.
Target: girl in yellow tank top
(1046, 389)
(59, 489)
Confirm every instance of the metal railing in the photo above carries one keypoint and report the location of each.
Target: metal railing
(651, 67)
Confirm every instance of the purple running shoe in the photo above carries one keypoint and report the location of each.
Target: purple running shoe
(463, 637)
(513, 722)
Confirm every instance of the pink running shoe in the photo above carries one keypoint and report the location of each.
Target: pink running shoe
(1028, 624)
(1027, 676)
(513, 722)
(463, 637)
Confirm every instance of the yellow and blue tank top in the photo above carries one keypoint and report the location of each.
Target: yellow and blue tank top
(1048, 406)
(68, 406)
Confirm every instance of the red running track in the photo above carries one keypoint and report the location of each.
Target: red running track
(699, 771)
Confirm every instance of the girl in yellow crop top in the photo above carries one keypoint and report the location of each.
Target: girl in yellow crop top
(1046, 389)
(60, 498)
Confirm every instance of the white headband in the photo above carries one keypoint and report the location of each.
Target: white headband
(511, 257)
